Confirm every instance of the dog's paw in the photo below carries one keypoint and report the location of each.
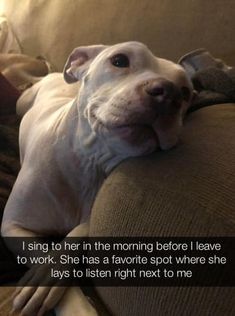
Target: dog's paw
(75, 303)
(30, 301)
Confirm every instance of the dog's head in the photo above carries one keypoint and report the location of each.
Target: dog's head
(130, 95)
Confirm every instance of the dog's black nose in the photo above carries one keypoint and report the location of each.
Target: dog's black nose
(160, 89)
(163, 95)
(155, 91)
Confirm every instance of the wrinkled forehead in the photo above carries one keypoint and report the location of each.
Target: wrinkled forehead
(137, 52)
(143, 65)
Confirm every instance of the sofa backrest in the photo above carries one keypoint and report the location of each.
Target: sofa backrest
(52, 28)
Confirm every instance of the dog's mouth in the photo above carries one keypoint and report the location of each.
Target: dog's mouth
(134, 133)
(147, 131)
(132, 128)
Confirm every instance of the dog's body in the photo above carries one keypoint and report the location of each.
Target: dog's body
(129, 103)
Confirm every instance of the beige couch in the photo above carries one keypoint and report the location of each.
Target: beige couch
(188, 191)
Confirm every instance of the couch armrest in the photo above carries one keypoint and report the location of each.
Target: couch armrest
(188, 191)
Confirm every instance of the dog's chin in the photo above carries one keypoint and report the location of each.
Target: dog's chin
(141, 137)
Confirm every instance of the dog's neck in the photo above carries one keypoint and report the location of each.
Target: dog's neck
(88, 158)
(89, 145)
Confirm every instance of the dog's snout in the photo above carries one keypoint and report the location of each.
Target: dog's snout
(160, 89)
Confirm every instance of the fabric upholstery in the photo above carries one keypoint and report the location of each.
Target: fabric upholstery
(9, 153)
(170, 29)
(188, 191)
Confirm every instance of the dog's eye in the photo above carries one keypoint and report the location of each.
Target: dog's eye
(120, 60)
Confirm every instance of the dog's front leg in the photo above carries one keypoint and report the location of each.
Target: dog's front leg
(37, 300)
(75, 303)
(31, 300)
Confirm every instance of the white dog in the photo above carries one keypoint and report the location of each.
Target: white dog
(128, 104)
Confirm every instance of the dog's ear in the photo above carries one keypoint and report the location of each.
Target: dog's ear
(79, 61)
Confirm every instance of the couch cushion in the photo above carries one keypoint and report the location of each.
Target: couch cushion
(170, 28)
(188, 191)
